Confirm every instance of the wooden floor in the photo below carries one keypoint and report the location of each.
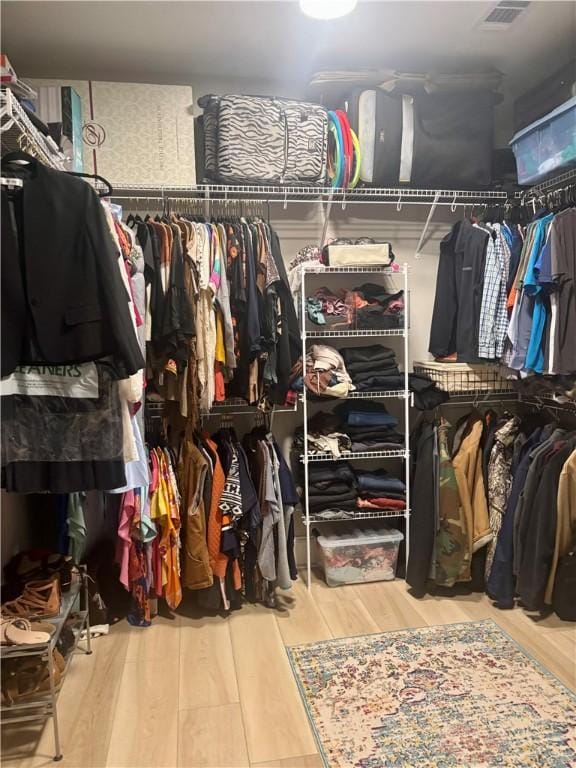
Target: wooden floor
(220, 693)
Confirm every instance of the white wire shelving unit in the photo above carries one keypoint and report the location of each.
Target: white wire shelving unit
(347, 455)
(331, 334)
(360, 514)
(19, 132)
(402, 452)
(376, 395)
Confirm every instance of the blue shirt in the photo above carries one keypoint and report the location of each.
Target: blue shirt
(535, 353)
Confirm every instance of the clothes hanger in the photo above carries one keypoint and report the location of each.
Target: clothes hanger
(20, 157)
(109, 192)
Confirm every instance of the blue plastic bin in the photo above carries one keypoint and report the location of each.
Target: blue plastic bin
(548, 145)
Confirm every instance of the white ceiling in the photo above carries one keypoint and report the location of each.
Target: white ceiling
(176, 42)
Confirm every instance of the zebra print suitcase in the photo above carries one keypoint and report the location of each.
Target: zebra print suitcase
(263, 140)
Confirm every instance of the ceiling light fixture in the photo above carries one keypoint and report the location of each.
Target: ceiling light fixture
(327, 9)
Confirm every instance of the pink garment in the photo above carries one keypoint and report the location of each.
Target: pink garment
(124, 541)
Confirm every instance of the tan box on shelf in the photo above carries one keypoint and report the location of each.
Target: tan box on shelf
(364, 255)
(135, 133)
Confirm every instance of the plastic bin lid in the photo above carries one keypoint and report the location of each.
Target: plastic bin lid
(570, 104)
(342, 537)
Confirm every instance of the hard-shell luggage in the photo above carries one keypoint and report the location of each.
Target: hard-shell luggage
(264, 140)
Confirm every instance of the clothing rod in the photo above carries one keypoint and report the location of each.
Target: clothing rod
(480, 401)
(569, 408)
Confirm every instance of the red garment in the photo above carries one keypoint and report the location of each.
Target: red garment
(381, 503)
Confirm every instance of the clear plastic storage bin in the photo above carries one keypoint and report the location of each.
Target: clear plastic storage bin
(547, 145)
(354, 555)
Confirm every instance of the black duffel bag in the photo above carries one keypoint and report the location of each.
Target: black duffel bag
(425, 139)
(419, 130)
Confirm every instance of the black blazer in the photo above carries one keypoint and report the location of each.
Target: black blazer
(63, 298)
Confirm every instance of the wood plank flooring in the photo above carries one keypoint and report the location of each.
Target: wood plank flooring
(219, 693)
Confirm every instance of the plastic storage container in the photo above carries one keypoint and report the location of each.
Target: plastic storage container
(353, 555)
(547, 145)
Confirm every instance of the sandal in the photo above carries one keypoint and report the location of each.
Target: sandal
(43, 626)
(21, 632)
(30, 678)
(64, 567)
(40, 599)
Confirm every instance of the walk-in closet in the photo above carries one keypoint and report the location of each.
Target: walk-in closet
(288, 394)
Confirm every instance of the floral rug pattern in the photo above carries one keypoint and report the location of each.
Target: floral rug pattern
(454, 696)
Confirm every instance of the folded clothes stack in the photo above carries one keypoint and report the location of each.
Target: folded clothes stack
(369, 426)
(378, 489)
(374, 308)
(427, 394)
(332, 494)
(353, 427)
(372, 368)
(327, 308)
(369, 306)
(326, 373)
(325, 435)
(338, 492)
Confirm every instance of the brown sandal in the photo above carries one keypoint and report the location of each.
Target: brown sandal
(39, 600)
(30, 678)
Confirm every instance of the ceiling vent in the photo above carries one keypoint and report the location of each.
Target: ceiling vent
(503, 15)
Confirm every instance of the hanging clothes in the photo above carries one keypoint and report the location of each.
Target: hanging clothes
(457, 306)
(499, 481)
(196, 570)
(425, 461)
(537, 528)
(453, 556)
(67, 305)
(467, 464)
(507, 295)
(565, 537)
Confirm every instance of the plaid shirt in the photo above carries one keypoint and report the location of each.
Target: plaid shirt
(493, 313)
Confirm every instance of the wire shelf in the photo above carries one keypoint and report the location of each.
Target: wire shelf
(263, 193)
(368, 514)
(18, 132)
(485, 396)
(315, 268)
(348, 455)
(239, 407)
(552, 183)
(353, 332)
(460, 379)
(378, 394)
(368, 395)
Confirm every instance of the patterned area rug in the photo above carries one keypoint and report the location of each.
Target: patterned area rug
(453, 696)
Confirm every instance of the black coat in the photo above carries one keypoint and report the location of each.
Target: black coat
(289, 347)
(423, 514)
(63, 299)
